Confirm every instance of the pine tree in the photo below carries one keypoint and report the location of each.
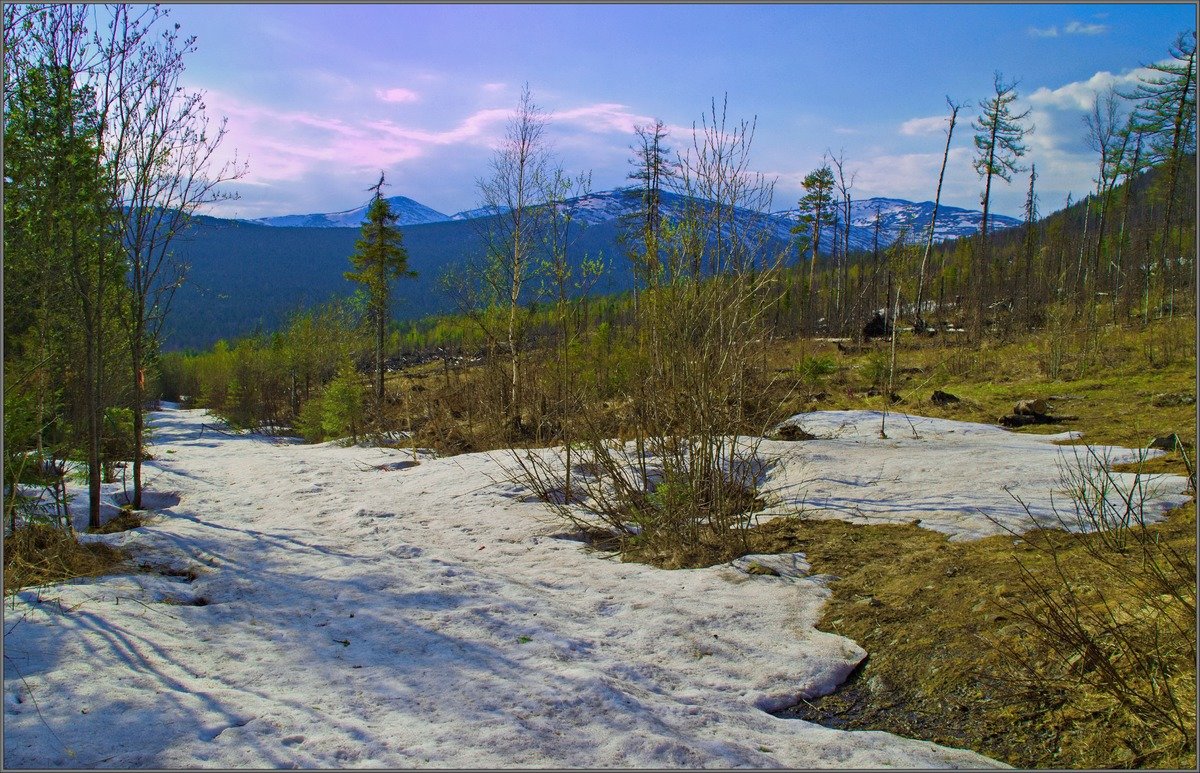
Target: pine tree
(379, 257)
(651, 172)
(816, 211)
(1167, 113)
(998, 144)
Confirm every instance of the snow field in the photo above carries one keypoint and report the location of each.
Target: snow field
(317, 606)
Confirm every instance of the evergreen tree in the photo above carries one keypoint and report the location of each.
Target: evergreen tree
(1167, 113)
(379, 257)
(816, 211)
(998, 147)
(651, 171)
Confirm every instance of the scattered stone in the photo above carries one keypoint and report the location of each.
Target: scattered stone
(1165, 442)
(1038, 407)
(1172, 399)
(944, 398)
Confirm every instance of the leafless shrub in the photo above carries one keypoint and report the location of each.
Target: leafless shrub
(1114, 609)
(682, 480)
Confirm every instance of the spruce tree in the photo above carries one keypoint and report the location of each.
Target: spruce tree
(379, 257)
(816, 211)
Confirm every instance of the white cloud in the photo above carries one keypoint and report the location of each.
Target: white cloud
(1080, 94)
(397, 95)
(1071, 28)
(927, 125)
(1080, 28)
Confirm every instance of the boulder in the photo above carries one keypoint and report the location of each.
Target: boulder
(1036, 407)
(877, 327)
(1165, 442)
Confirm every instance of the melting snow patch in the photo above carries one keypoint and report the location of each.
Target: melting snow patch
(456, 634)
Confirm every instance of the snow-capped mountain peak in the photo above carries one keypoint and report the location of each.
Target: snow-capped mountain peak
(410, 212)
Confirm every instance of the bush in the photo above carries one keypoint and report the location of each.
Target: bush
(342, 405)
(876, 369)
(813, 369)
(311, 421)
(39, 554)
(1117, 612)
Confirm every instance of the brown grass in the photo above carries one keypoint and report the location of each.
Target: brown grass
(39, 555)
(128, 519)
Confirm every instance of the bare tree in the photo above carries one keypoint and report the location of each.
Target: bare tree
(166, 174)
(1104, 136)
(843, 188)
(520, 170)
(937, 198)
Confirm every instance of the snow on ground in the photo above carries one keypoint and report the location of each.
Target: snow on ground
(963, 479)
(321, 606)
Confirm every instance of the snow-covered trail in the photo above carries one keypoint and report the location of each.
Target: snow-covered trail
(350, 610)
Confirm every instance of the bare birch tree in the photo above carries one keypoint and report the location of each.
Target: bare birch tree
(511, 195)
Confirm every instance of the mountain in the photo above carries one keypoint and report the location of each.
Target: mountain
(896, 216)
(249, 275)
(410, 212)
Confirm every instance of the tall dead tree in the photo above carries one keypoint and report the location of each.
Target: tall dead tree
(920, 324)
(843, 186)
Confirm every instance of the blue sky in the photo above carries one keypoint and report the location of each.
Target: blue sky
(321, 97)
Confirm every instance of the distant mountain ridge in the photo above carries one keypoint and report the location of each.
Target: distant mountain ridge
(410, 212)
(248, 275)
(896, 216)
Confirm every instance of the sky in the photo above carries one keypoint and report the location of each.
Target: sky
(322, 97)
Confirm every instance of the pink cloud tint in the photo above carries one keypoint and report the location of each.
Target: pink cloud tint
(397, 95)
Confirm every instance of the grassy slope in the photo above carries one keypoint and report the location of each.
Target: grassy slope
(936, 617)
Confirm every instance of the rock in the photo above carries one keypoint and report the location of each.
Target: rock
(1170, 400)
(877, 327)
(1165, 442)
(1036, 407)
(757, 568)
(793, 432)
(943, 398)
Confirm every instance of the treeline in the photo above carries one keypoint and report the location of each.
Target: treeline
(548, 347)
(106, 158)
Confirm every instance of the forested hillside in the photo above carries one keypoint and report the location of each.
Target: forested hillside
(244, 277)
